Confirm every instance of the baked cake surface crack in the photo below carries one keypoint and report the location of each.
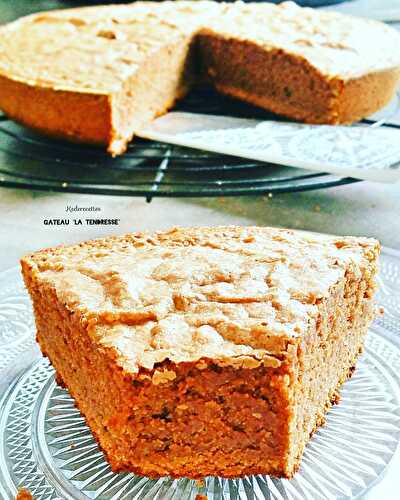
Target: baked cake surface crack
(184, 345)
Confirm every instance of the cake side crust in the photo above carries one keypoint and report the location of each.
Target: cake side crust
(361, 97)
(79, 117)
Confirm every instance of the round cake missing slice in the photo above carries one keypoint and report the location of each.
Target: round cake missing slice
(98, 74)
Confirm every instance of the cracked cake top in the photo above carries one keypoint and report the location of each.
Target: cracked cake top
(97, 49)
(239, 295)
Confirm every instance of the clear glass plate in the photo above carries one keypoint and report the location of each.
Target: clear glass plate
(46, 447)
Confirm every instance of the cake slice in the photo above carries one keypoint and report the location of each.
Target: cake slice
(307, 64)
(204, 351)
(98, 74)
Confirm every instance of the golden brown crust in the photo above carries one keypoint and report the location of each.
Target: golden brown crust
(364, 96)
(80, 117)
